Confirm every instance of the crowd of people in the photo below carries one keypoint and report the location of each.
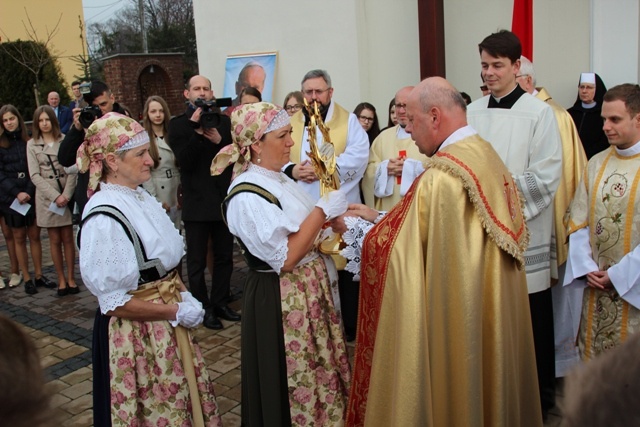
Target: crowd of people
(483, 239)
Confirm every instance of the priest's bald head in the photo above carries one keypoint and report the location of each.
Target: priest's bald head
(435, 110)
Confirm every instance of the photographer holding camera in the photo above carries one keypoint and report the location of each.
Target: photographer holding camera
(101, 101)
(195, 138)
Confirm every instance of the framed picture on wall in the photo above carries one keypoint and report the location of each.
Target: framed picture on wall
(254, 69)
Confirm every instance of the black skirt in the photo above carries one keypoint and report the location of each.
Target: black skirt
(265, 396)
(15, 220)
(101, 380)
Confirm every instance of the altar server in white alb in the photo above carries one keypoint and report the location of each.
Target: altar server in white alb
(604, 240)
(524, 132)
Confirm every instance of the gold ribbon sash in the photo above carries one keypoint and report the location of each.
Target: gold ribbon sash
(168, 289)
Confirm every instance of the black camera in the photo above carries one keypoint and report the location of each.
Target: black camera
(211, 117)
(88, 114)
(91, 112)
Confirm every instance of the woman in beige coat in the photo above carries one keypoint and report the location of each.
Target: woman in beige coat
(165, 175)
(54, 189)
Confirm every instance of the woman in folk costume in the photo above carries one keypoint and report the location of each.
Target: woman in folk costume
(295, 367)
(148, 369)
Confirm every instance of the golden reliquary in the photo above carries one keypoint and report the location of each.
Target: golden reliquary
(323, 159)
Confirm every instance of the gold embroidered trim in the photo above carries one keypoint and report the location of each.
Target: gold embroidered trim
(516, 248)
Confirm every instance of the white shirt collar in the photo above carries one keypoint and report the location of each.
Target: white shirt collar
(401, 133)
(500, 98)
(628, 152)
(460, 134)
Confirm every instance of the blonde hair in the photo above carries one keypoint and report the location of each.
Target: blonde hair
(148, 126)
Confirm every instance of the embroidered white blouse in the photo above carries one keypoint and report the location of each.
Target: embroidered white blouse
(261, 225)
(107, 258)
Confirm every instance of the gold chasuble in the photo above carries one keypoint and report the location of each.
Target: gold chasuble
(574, 161)
(608, 202)
(338, 128)
(444, 335)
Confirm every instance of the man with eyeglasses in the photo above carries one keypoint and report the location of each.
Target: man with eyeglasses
(567, 301)
(351, 146)
(394, 161)
(349, 139)
(523, 131)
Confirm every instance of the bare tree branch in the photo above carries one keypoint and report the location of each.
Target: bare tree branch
(33, 56)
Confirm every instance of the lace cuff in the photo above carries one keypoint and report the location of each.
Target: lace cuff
(112, 300)
(357, 229)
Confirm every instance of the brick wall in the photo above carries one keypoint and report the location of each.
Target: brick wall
(134, 77)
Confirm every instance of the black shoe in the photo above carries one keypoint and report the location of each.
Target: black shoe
(43, 281)
(30, 287)
(63, 291)
(212, 322)
(72, 290)
(226, 313)
(235, 297)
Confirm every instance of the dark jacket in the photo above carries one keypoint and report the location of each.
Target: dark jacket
(202, 193)
(67, 157)
(14, 171)
(589, 122)
(65, 118)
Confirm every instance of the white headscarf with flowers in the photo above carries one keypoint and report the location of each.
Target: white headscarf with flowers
(249, 123)
(110, 133)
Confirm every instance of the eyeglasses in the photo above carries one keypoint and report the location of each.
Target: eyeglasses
(401, 106)
(521, 75)
(484, 88)
(317, 92)
(366, 119)
(293, 108)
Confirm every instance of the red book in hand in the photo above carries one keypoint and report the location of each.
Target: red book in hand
(402, 154)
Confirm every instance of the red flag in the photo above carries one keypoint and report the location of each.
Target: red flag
(522, 25)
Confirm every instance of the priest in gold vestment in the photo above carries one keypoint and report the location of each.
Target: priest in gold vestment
(604, 237)
(444, 335)
(394, 161)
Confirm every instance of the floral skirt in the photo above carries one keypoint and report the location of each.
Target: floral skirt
(295, 366)
(317, 360)
(146, 380)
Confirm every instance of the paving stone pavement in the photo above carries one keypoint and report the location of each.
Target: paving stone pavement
(62, 332)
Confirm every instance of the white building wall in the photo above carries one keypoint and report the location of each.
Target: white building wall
(616, 41)
(369, 47)
(560, 45)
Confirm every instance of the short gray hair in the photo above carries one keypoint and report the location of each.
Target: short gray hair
(314, 74)
(526, 68)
